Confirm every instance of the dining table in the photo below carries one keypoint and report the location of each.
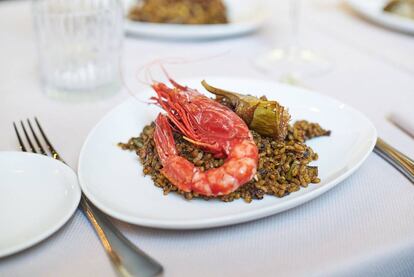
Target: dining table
(362, 227)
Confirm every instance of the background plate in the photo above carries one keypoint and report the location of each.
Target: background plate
(113, 180)
(245, 16)
(373, 10)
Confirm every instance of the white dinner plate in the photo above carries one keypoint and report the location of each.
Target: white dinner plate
(245, 16)
(113, 179)
(373, 10)
(37, 196)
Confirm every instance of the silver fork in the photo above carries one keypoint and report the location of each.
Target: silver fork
(397, 159)
(125, 256)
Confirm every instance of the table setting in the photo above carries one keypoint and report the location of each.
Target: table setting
(206, 138)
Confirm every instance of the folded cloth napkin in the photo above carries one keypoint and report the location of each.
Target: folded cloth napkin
(403, 122)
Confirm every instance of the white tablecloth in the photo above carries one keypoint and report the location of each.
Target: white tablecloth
(363, 227)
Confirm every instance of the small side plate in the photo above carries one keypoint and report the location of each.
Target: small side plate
(37, 196)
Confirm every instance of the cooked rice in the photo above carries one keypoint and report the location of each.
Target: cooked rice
(180, 11)
(283, 165)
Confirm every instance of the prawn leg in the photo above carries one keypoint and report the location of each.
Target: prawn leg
(176, 169)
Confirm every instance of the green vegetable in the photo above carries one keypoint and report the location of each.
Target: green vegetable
(266, 117)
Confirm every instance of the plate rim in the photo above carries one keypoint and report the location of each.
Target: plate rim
(59, 224)
(227, 219)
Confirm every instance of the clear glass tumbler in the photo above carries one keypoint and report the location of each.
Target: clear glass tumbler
(79, 43)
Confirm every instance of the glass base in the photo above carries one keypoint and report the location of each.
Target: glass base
(293, 64)
(93, 94)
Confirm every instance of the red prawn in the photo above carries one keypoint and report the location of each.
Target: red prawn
(212, 127)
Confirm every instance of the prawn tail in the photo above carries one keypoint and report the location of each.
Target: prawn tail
(164, 140)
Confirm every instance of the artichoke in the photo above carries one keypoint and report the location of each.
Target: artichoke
(266, 117)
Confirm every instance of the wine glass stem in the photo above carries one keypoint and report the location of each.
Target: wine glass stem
(294, 14)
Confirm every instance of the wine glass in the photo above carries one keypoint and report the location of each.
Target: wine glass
(293, 62)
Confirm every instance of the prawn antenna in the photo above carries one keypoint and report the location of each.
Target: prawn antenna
(144, 74)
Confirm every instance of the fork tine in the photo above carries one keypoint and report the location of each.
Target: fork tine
(55, 154)
(28, 138)
(41, 149)
(22, 147)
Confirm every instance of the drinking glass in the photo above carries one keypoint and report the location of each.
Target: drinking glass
(293, 62)
(79, 44)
